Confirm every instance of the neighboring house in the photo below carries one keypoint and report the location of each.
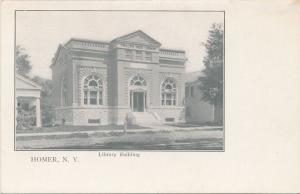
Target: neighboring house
(28, 97)
(99, 83)
(196, 109)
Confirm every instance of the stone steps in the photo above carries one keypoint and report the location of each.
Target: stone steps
(145, 118)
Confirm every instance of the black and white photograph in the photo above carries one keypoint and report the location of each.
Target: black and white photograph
(155, 96)
(119, 80)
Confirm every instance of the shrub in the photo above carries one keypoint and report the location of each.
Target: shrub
(25, 119)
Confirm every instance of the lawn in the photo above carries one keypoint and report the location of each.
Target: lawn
(132, 140)
(187, 125)
(66, 128)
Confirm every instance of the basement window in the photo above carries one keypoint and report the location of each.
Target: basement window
(169, 119)
(94, 121)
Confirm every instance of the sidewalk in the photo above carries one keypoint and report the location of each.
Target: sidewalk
(155, 128)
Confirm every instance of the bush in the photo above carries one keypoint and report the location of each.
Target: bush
(130, 119)
(25, 119)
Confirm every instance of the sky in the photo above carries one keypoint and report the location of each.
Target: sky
(40, 32)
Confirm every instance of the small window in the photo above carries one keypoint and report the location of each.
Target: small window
(150, 48)
(128, 54)
(139, 46)
(148, 56)
(139, 55)
(93, 120)
(169, 119)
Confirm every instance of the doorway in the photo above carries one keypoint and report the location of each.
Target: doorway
(137, 101)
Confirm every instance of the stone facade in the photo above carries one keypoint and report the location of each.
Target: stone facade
(98, 83)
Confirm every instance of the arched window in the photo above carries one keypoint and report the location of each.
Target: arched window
(168, 93)
(93, 90)
(138, 81)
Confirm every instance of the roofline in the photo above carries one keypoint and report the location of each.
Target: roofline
(176, 50)
(172, 59)
(87, 40)
(128, 34)
(56, 55)
(28, 81)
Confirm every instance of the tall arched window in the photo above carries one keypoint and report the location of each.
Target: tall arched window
(93, 90)
(168, 92)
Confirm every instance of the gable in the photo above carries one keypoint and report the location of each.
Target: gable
(25, 83)
(137, 37)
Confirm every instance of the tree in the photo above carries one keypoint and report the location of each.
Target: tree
(47, 110)
(212, 79)
(23, 65)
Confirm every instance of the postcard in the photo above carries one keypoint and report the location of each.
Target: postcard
(150, 97)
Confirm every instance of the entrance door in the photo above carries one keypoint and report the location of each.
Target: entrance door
(138, 100)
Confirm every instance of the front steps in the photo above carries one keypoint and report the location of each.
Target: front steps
(146, 118)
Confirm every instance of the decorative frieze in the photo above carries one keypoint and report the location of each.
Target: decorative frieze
(137, 46)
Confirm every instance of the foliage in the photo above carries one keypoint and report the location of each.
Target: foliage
(23, 67)
(47, 110)
(25, 119)
(212, 79)
(22, 60)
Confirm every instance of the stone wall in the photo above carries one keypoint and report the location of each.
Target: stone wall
(91, 116)
(120, 113)
(64, 116)
(62, 70)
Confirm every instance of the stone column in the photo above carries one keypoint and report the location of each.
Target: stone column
(38, 112)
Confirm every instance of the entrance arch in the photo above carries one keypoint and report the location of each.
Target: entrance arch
(138, 94)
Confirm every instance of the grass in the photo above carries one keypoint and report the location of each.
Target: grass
(66, 128)
(187, 125)
(86, 135)
(159, 144)
(143, 140)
